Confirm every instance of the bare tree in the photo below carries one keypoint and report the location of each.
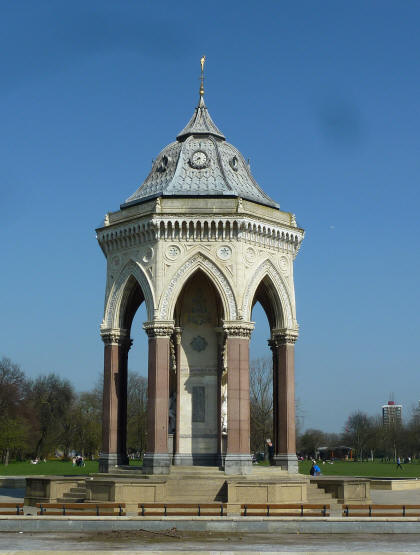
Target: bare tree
(261, 402)
(358, 432)
(51, 398)
(136, 413)
(14, 429)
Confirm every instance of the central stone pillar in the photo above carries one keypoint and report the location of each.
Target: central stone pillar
(283, 346)
(114, 415)
(238, 459)
(156, 459)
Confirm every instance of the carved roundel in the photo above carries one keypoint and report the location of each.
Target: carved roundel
(147, 254)
(250, 255)
(199, 343)
(116, 260)
(224, 252)
(284, 264)
(173, 251)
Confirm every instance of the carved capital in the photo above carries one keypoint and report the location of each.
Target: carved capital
(159, 328)
(114, 336)
(178, 335)
(238, 328)
(283, 337)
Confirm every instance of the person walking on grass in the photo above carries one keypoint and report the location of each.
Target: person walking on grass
(399, 465)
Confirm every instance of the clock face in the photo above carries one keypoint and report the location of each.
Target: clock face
(199, 159)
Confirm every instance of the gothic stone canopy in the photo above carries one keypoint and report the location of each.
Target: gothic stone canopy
(199, 243)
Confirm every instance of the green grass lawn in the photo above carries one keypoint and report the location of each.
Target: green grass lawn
(339, 468)
(377, 469)
(60, 468)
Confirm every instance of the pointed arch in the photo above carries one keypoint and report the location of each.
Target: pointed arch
(131, 274)
(217, 278)
(283, 314)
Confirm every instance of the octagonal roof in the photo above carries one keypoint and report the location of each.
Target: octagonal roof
(200, 163)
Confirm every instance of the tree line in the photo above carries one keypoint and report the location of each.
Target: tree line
(44, 416)
(368, 437)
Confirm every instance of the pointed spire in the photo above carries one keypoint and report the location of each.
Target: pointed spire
(201, 122)
(202, 61)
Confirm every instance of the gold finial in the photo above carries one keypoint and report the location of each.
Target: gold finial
(202, 61)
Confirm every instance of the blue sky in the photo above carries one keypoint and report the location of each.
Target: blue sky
(323, 97)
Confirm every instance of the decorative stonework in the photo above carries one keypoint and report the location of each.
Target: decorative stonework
(267, 268)
(147, 254)
(250, 255)
(198, 343)
(115, 336)
(173, 251)
(224, 252)
(199, 211)
(284, 264)
(119, 293)
(215, 275)
(116, 260)
(159, 328)
(283, 337)
(238, 329)
(215, 227)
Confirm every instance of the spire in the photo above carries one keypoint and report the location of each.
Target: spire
(202, 61)
(201, 122)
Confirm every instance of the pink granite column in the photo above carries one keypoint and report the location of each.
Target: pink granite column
(156, 459)
(178, 337)
(283, 345)
(238, 458)
(114, 413)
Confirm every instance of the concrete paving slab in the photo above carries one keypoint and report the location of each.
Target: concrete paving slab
(176, 542)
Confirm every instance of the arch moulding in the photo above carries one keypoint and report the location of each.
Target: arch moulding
(284, 320)
(120, 291)
(216, 276)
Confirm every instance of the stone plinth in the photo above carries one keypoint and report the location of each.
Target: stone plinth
(49, 489)
(345, 490)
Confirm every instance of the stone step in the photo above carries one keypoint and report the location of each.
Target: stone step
(70, 496)
(196, 488)
(318, 495)
(71, 499)
(79, 490)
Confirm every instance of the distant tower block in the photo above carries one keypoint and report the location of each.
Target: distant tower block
(391, 414)
(199, 243)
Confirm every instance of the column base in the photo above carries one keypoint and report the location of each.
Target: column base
(287, 462)
(238, 463)
(156, 463)
(108, 461)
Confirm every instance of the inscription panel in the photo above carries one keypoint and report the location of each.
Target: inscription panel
(198, 403)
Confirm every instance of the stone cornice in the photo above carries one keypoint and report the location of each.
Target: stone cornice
(238, 328)
(159, 328)
(204, 227)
